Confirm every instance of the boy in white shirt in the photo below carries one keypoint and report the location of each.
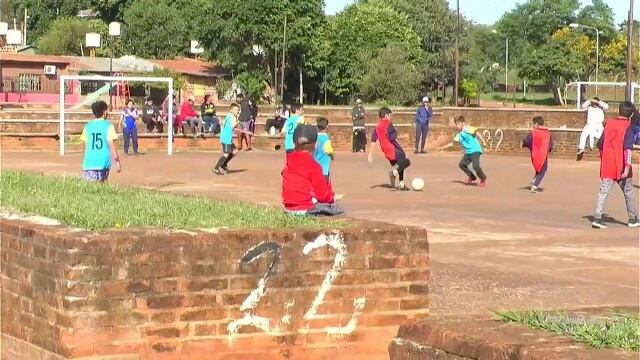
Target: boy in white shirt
(595, 109)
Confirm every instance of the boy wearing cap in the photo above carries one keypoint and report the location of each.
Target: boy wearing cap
(304, 188)
(359, 141)
(386, 134)
(423, 116)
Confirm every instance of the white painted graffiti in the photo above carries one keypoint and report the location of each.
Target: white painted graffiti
(250, 318)
(488, 138)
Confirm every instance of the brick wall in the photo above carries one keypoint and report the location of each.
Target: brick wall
(477, 337)
(154, 294)
(514, 124)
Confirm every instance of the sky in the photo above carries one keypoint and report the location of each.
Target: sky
(489, 11)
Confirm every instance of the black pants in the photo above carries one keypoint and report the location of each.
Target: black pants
(475, 160)
(359, 140)
(401, 165)
(276, 123)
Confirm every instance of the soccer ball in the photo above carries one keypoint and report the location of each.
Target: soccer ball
(417, 184)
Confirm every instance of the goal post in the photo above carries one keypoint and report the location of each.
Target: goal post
(112, 79)
(605, 91)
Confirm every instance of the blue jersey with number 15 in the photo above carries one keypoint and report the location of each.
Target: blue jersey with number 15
(96, 136)
(289, 127)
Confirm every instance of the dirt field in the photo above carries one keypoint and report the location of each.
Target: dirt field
(491, 248)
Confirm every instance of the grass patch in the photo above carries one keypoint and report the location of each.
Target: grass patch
(94, 206)
(619, 330)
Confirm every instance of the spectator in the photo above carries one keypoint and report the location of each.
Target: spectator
(359, 130)
(423, 117)
(175, 119)
(254, 115)
(151, 117)
(277, 122)
(189, 116)
(208, 112)
(129, 128)
(244, 122)
(595, 109)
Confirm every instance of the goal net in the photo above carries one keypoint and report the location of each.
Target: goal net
(78, 92)
(612, 93)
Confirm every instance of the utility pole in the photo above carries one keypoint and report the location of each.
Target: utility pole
(457, 80)
(284, 50)
(628, 74)
(301, 85)
(275, 76)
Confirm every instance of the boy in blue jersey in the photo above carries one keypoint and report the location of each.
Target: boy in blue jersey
(129, 128)
(98, 136)
(323, 153)
(290, 126)
(226, 140)
(469, 138)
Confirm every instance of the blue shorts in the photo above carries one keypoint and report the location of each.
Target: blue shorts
(96, 175)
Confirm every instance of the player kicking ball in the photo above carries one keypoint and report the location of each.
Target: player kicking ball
(469, 138)
(386, 134)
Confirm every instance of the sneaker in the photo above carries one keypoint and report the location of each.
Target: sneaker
(470, 181)
(533, 181)
(579, 155)
(534, 189)
(402, 187)
(598, 224)
(423, 151)
(482, 183)
(217, 172)
(224, 170)
(634, 223)
(392, 178)
(416, 152)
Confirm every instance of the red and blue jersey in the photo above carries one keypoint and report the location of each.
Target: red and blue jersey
(387, 135)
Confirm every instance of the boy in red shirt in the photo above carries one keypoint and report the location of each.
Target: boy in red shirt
(386, 135)
(305, 190)
(616, 144)
(540, 143)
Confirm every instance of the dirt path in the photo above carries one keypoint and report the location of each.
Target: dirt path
(491, 248)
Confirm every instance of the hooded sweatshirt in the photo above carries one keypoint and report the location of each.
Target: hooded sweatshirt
(302, 181)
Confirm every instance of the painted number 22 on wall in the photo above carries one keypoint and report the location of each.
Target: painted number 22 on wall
(272, 249)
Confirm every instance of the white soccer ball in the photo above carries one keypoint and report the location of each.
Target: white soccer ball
(417, 184)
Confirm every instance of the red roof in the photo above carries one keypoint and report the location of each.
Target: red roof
(48, 59)
(192, 67)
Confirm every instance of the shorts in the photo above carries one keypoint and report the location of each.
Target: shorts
(245, 126)
(96, 175)
(228, 148)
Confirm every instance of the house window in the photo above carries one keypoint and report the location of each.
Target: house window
(29, 83)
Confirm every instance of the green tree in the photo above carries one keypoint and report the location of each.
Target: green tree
(390, 77)
(66, 36)
(435, 24)
(360, 32)
(159, 29)
(233, 30)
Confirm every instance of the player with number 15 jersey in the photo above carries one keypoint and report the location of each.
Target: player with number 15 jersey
(98, 136)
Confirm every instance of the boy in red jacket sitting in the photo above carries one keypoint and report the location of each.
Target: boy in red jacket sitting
(305, 190)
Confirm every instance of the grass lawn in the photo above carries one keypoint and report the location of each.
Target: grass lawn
(94, 206)
(619, 330)
(531, 98)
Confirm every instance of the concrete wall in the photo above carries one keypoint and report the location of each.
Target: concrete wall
(223, 294)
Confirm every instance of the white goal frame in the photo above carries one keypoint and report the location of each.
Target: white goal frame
(168, 80)
(578, 85)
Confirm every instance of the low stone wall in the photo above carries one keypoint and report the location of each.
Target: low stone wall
(217, 294)
(478, 338)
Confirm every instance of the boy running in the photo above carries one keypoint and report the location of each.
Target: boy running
(304, 188)
(98, 136)
(324, 150)
(290, 126)
(226, 140)
(386, 134)
(616, 144)
(469, 137)
(540, 143)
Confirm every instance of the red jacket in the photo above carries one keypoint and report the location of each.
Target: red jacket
(186, 110)
(613, 155)
(540, 140)
(302, 180)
